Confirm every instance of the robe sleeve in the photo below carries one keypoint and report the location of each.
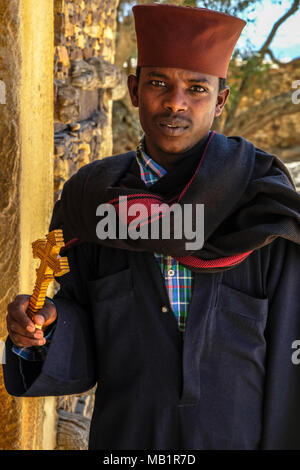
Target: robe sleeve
(68, 367)
(281, 422)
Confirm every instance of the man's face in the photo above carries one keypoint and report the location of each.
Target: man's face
(176, 108)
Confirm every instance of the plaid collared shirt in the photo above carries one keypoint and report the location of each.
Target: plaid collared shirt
(178, 279)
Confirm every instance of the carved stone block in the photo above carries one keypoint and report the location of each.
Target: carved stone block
(68, 104)
(72, 431)
(83, 75)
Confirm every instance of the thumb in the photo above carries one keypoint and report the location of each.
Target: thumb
(39, 319)
(46, 315)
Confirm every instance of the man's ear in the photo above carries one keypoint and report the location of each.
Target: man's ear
(221, 100)
(132, 84)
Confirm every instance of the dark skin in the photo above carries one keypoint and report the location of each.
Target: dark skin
(21, 328)
(177, 108)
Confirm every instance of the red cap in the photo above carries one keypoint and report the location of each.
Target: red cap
(188, 38)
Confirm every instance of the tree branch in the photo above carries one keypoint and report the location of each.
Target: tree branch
(255, 118)
(294, 62)
(273, 58)
(262, 51)
(290, 12)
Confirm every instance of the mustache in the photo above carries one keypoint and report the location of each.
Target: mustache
(173, 120)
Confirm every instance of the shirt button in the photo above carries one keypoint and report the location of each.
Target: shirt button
(171, 272)
(164, 309)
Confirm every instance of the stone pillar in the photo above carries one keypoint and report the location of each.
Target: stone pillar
(26, 198)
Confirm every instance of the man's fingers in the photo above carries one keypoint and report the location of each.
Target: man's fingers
(16, 329)
(21, 337)
(22, 330)
(25, 342)
(17, 311)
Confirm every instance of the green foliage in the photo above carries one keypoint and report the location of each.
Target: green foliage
(249, 72)
(190, 3)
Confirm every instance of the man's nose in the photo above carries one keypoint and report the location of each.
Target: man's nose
(175, 100)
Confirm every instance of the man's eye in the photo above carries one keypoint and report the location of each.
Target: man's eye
(157, 83)
(198, 89)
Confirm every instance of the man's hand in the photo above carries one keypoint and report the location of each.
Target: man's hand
(21, 329)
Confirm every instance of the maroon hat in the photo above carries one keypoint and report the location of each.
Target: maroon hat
(188, 38)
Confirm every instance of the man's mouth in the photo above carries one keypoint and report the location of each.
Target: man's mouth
(173, 127)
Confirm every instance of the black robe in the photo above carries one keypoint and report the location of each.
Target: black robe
(234, 383)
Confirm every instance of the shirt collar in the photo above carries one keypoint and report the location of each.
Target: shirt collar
(147, 164)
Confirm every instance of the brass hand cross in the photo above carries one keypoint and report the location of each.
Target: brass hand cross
(51, 265)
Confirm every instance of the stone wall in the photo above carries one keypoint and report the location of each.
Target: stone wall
(281, 136)
(86, 81)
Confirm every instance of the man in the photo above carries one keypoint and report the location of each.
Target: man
(191, 349)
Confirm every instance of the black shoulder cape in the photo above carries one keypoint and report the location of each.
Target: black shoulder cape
(248, 195)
